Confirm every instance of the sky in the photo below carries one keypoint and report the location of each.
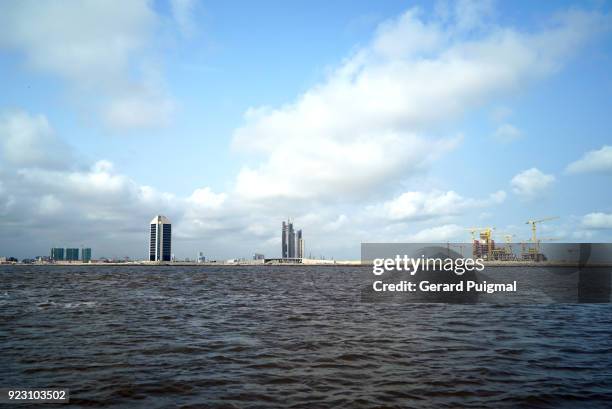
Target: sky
(362, 121)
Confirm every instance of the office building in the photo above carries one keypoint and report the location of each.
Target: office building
(57, 254)
(72, 254)
(291, 235)
(86, 255)
(284, 242)
(292, 244)
(300, 244)
(258, 256)
(160, 245)
(288, 240)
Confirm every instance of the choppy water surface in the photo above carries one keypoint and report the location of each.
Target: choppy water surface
(288, 337)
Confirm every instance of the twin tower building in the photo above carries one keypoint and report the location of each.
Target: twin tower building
(292, 241)
(160, 244)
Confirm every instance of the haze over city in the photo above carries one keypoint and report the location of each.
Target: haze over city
(362, 122)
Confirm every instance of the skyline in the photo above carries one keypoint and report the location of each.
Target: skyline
(400, 121)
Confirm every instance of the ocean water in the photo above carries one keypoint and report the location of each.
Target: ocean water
(266, 337)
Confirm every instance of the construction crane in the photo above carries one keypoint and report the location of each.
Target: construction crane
(473, 230)
(534, 223)
(534, 238)
(486, 234)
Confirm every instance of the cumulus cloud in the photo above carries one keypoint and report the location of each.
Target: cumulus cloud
(29, 140)
(507, 133)
(447, 232)
(97, 47)
(594, 161)
(531, 183)
(371, 124)
(136, 111)
(597, 221)
(426, 205)
(371, 120)
(44, 198)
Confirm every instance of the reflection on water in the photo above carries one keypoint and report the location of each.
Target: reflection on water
(288, 337)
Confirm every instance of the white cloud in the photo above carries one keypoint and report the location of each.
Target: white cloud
(99, 47)
(531, 183)
(206, 198)
(29, 140)
(337, 224)
(507, 133)
(447, 232)
(49, 205)
(371, 124)
(370, 121)
(593, 161)
(597, 221)
(425, 205)
(137, 111)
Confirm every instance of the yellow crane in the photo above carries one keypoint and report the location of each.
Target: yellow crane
(485, 230)
(533, 226)
(486, 234)
(534, 238)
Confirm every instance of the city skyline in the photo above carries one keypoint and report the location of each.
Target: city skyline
(394, 121)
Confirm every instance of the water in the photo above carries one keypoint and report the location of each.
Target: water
(265, 337)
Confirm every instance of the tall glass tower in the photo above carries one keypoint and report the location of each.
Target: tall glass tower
(285, 244)
(300, 244)
(160, 246)
(291, 235)
(288, 240)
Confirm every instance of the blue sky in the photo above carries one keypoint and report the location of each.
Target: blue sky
(363, 121)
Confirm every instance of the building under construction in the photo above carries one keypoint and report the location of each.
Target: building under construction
(484, 246)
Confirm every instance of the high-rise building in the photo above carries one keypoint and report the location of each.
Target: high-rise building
(292, 247)
(300, 244)
(72, 254)
(160, 246)
(288, 240)
(284, 242)
(57, 254)
(291, 234)
(86, 255)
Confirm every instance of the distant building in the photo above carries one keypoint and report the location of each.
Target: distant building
(284, 241)
(300, 244)
(57, 254)
(160, 245)
(258, 256)
(291, 247)
(291, 234)
(72, 254)
(201, 258)
(86, 255)
(288, 240)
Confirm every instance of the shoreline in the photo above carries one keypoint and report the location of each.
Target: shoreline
(314, 263)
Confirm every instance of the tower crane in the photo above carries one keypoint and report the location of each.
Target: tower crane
(486, 233)
(534, 238)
